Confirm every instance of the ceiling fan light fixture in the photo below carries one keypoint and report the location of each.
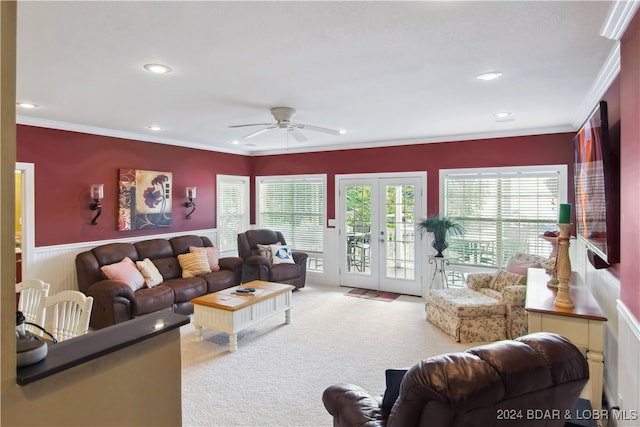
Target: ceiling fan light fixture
(157, 68)
(491, 75)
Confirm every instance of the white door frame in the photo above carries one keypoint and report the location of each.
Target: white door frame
(420, 212)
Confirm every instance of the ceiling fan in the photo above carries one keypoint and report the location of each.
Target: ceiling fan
(283, 117)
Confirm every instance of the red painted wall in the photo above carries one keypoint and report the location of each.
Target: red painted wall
(630, 167)
(513, 151)
(67, 163)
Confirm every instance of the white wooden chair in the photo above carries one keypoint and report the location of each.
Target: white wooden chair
(70, 314)
(32, 291)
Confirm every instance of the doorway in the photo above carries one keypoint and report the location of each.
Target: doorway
(25, 218)
(377, 228)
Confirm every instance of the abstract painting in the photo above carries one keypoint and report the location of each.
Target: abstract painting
(144, 199)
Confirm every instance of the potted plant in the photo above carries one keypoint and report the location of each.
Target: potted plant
(441, 227)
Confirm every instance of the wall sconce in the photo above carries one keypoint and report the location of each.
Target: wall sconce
(96, 195)
(191, 194)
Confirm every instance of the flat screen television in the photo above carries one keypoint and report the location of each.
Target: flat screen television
(597, 188)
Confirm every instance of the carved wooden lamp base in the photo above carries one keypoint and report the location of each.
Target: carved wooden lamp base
(563, 268)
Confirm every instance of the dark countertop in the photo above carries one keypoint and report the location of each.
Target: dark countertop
(73, 352)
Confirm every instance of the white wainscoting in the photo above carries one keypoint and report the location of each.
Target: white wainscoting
(57, 264)
(628, 398)
(622, 338)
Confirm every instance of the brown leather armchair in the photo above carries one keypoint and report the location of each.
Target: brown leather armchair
(258, 267)
(534, 380)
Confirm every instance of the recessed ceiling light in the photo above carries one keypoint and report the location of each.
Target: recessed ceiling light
(504, 116)
(157, 68)
(235, 142)
(343, 131)
(492, 75)
(154, 127)
(26, 105)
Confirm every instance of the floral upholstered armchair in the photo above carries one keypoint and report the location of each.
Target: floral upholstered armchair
(509, 287)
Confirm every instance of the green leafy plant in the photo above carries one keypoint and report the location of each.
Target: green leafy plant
(441, 227)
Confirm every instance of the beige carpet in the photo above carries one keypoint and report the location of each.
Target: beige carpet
(278, 374)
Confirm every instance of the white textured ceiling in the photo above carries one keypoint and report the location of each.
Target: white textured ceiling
(390, 72)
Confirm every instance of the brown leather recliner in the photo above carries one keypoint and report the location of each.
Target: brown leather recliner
(257, 267)
(534, 380)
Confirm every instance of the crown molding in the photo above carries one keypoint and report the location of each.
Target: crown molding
(74, 127)
(609, 71)
(620, 15)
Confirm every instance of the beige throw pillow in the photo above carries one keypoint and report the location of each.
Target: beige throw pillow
(193, 264)
(152, 276)
(265, 250)
(213, 254)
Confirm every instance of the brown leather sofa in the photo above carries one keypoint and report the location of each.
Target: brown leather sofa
(534, 380)
(257, 267)
(115, 302)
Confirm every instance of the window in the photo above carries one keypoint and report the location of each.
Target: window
(233, 210)
(295, 205)
(503, 210)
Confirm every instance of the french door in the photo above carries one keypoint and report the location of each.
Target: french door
(377, 228)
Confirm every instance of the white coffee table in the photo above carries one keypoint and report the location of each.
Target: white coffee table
(230, 312)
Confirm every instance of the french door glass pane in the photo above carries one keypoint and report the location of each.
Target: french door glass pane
(358, 217)
(400, 228)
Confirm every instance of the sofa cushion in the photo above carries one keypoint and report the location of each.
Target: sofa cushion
(149, 300)
(284, 272)
(181, 244)
(124, 271)
(152, 276)
(154, 248)
(219, 280)
(213, 254)
(187, 289)
(505, 278)
(194, 264)
(464, 303)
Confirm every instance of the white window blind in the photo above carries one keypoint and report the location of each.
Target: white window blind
(233, 210)
(296, 207)
(503, 210)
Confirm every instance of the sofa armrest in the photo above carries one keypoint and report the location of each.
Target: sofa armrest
(110, 289)
(514, 295)
(351, 405)
(300, 258)
(232, 263)
(477, 281)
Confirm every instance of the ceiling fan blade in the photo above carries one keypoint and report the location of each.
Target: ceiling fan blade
(297, 135)
(258, 132)
(253, 124)
(320, 129)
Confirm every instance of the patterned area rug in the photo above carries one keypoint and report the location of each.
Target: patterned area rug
(375, 295)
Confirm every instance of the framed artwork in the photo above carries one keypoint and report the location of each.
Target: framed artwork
(144, 199)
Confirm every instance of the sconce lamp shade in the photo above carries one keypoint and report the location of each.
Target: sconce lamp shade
(97, 191)
(191, 193)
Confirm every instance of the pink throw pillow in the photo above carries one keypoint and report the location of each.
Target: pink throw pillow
(124, 271)
(213, 254)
